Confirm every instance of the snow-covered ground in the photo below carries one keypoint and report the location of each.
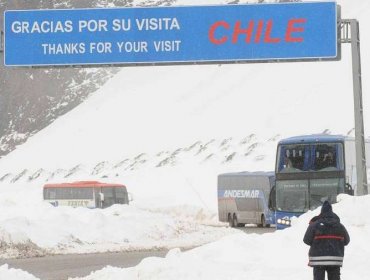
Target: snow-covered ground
(166, 133)
(277, 255)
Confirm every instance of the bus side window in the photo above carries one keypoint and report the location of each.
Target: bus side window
(49, 194)
(52, 194)
(64, 193)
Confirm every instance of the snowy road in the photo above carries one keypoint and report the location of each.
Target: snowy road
(60, 267)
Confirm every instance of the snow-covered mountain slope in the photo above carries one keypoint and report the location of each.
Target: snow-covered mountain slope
(226, 153)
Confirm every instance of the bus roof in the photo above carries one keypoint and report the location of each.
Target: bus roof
(83, 184)
(247, 173)
(314, 138)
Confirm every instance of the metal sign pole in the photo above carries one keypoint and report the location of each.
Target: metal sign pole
(351, 34)
(359, 119)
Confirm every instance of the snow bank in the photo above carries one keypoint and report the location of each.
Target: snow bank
(30, 226)
(278, 255)
(14, 274)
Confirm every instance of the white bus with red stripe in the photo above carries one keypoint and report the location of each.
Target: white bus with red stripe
(90, 194)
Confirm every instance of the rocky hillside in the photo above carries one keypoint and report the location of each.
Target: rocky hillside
(32, 98)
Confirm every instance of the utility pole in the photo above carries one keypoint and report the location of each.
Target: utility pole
(350, 33)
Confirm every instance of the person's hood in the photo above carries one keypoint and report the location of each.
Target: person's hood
(327, 216)
(326, 207)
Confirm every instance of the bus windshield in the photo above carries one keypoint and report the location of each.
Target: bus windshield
(310, 157)
(292, 196)
(299, 196)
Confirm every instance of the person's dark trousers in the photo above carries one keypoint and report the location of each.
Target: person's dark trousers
(333, 272)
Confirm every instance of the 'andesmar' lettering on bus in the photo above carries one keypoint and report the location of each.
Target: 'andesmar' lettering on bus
(241, 193)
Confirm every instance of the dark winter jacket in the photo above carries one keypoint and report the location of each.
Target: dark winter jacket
(327, 238)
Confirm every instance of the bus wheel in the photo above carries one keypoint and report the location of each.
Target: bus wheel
(263, 222)
(235, 221)
(230, 220)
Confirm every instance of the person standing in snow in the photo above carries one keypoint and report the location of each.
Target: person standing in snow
(327, 238)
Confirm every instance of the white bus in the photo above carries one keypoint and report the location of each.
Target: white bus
(244, 198)
(90, 194)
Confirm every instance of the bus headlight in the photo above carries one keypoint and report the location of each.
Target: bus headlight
(284, 221)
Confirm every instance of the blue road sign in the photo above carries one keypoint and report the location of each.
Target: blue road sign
(171, 34)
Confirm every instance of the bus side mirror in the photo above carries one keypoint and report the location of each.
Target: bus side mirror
(348, 189)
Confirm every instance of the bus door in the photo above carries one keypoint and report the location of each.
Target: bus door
(98, 197)
(103, 197)
(107, 197)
